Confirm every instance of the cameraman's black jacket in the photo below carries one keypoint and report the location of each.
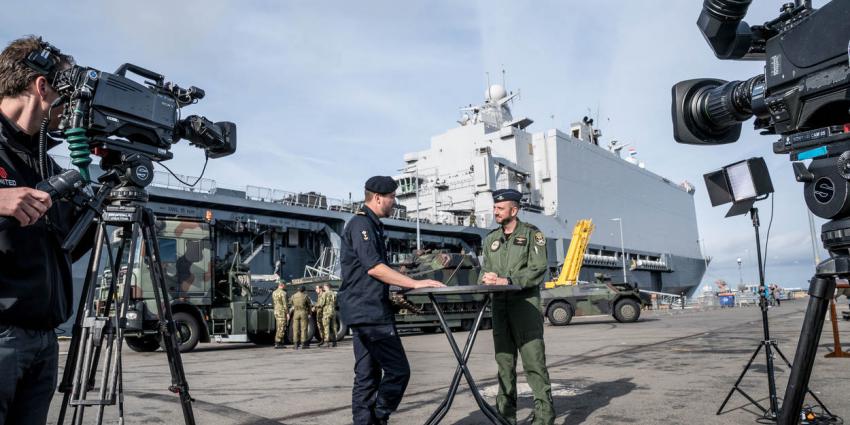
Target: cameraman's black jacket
(36, 286)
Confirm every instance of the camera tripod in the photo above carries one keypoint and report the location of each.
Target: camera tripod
(101, 322)
(770, 347)
(836, 239)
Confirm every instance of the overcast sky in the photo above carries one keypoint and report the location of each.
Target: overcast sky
(326, 94)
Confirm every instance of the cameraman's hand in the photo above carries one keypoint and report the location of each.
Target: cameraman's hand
(24, 203)
(428, 283)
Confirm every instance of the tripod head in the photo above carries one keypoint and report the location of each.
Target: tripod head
(127, 173)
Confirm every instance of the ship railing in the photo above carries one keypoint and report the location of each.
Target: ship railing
(666, 300)
(300, 199)
(168, 181)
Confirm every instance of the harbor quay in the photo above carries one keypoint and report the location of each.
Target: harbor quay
(670, 367)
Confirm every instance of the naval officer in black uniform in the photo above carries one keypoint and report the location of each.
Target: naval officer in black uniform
(381, 371)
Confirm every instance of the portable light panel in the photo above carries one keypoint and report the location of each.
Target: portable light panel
(741, 183)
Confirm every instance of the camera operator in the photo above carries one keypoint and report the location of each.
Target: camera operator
(36, 287)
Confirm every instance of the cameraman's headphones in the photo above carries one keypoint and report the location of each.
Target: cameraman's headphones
(45, 61)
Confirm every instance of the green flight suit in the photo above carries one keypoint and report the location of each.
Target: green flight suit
(300, 317)
(518, 318)
(281, 310)
(329, 325)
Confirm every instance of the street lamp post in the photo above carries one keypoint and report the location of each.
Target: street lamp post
(416, 180)
(622, 247)
(740, 275)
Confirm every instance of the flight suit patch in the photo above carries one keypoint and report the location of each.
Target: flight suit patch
(539, 239)
(521, 241)
(495, 245)
(365, 235)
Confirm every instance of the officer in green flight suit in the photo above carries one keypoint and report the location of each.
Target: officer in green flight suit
(515, 254)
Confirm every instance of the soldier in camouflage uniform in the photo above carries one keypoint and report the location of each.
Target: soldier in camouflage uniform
(515, 254)
(318, 309)
(281, 314)
(329, 316)
(300, 303)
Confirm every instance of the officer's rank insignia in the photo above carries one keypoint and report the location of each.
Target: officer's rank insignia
(495, 245)
(539, 239)
(521, 241)
(365, 235)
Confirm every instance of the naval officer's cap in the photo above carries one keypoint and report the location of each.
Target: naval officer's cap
(506, 195)
(381, 185)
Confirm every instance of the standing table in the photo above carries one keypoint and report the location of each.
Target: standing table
(462, 357)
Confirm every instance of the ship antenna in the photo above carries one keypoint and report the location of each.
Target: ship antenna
(487, 89)
(504, 84)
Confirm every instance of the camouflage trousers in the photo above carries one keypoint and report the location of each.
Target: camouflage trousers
(300, 318)
(320, 324)
(280, 329)
(329, 327)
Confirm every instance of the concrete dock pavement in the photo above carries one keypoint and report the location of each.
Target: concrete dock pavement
(666, 368)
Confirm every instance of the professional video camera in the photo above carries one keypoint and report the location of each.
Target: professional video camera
(129, 125)
(803, 96)
(113, 114)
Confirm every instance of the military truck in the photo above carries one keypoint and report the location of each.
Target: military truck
(214, 296)
(211, 297)
(602, 297)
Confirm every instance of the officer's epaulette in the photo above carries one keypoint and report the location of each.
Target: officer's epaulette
(494, 231)
(360, 212)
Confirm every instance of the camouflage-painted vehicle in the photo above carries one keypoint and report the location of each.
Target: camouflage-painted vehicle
(622, 300)
(451, 269)
(210, 299)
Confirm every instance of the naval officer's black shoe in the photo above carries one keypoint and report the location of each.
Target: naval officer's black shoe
(297, 346)
(321, 344)
(333, 344)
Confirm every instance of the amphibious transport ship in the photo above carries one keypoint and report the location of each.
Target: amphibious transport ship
(445, 202)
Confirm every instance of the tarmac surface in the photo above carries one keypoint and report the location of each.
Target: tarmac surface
(670, 367)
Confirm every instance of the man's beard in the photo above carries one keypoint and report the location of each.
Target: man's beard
(504, 220)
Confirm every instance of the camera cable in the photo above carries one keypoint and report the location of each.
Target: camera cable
(203, 171)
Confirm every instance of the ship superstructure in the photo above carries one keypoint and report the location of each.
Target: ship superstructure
(565, 176)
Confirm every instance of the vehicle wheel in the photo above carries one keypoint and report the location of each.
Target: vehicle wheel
(342, 329)
(627, 311)
(466, 324)
(188, 331)
(486, 324)
(429, 329)
(145, 344)
(559, 313)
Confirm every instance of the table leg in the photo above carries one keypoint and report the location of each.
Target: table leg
(462, 358)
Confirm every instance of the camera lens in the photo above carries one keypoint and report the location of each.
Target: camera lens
(710, 111)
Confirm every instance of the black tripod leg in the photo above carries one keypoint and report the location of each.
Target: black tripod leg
(76, 333)
(179, 384)
(808, 390)
(741, 378)
(820, 290)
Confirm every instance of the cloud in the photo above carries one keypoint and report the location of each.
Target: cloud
(326, 94)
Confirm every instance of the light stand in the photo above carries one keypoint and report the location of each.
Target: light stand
(743, 183)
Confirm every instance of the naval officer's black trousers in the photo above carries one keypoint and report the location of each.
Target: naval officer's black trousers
(381, 373)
